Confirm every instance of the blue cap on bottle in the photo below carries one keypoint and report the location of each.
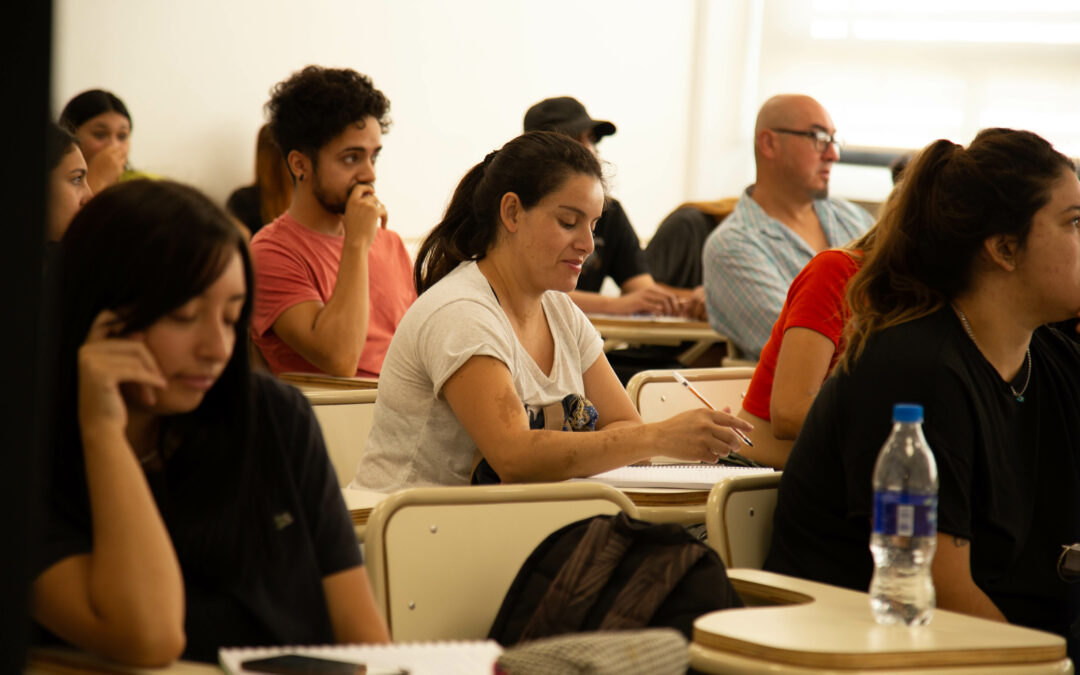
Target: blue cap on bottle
(907, 412)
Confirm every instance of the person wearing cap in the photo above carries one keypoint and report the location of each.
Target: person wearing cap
(616, 250)
(779, 223)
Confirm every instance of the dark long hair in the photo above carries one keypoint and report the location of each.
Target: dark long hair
(531, 166)
(58, 143)
(932, 228)
(141, 249)
(88, 105)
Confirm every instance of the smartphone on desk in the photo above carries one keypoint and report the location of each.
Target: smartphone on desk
(298, 664)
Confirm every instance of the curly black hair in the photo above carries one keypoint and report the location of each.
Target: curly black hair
(314, 105)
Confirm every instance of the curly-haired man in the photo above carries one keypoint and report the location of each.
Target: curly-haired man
(332, 282)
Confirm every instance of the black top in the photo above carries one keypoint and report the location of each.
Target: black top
(1009, 475)
(243, 203)
(674, 252)
(616, 251)
(279, 599)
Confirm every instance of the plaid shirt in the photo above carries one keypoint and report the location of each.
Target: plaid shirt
(751, 259)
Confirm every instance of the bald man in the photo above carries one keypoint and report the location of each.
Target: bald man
(779, 222)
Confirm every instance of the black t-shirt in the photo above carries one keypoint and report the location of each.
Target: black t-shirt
(1009, 475)
(616, 251)
(674, 252)
(280, 599)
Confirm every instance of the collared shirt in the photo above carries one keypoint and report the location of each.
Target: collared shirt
(751, 258)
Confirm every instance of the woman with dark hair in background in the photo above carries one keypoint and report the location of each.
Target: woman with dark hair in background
(980, 249)
(493, 362)
(102, 124)
(270, 195)
(192, 503)
(68, 188)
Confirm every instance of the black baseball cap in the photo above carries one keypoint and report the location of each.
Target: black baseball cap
(565, 114)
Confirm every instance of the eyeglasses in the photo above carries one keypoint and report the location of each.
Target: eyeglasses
(821, 138)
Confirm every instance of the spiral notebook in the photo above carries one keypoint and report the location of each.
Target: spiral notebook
(685, 476)
(417, 658)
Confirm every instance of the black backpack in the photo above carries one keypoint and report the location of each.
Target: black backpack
(613, 573)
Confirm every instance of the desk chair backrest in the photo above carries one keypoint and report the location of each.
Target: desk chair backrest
(739, 518)
(345, 417)
(657, 396)
(441, 559)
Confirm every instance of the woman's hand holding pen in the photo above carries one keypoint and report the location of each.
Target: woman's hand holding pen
(699, 435)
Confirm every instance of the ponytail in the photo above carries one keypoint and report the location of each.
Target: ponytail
(933, 226)
(531, 166)
(457, 238)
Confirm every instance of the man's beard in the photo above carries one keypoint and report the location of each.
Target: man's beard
(327, 201)
(823, 193)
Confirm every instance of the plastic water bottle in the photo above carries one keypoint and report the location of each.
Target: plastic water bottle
(904, 535)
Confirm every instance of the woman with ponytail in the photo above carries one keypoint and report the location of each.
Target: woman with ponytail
(978, 250)
(493, 363)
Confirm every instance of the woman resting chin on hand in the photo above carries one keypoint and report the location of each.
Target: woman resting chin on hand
(192, 504)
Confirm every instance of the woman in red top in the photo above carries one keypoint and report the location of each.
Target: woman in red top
(806, 341)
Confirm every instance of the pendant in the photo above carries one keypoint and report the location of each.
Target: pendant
(1019, 398)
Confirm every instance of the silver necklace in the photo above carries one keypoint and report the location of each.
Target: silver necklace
(1018, 395)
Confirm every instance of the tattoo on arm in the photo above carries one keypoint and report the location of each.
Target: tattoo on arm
(960, 542)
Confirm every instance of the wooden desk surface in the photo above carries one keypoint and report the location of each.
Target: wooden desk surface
(653, 329)
(822, 627)
(321, 381)
(360, 503)
(63, 661)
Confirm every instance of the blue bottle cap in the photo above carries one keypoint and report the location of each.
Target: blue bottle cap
(907, 412)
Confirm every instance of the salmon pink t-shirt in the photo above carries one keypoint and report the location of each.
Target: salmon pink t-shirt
(295, 264)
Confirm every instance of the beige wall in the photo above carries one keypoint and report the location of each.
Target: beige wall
(459, 75)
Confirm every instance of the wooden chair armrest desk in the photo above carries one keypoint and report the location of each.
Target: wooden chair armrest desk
(65, 661)
(793, 626)
(345, 418)
(656, 330)
(322, 381)
(360, 504)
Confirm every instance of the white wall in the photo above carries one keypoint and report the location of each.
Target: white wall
(459, 75)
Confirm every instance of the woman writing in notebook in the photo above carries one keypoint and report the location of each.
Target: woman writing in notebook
(494, 362)
(191, 502)
(980, 250)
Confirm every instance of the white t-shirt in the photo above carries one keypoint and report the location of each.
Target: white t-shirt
(415, 439)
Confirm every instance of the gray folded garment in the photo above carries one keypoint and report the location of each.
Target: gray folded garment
(653, 651)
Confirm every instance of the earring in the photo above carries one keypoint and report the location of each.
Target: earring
(300, 177)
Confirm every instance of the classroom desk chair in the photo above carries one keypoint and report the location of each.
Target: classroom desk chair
(345, 417)
(442, 558)
(739, 518)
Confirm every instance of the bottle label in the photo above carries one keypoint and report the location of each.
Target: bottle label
(905, 515)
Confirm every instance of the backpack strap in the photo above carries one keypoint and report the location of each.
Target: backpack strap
(650, 584)
(579, 581)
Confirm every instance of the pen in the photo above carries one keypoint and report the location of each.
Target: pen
(686, 383)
